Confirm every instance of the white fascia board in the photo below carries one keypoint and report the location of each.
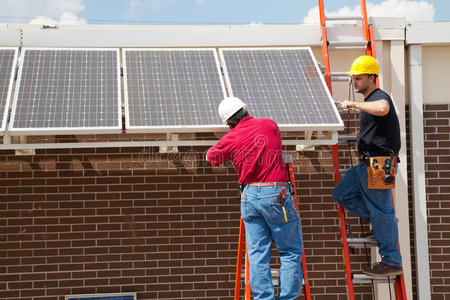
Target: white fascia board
(388, 28)
(428, 33)
(10, 37)
(174, 36)
(201, 36)
(388, 22)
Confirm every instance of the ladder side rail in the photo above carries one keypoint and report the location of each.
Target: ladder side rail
(306, 290)
(325, 54)
(248, 288)
(343, 229)
(237, 283)
(365, 24)
(346, 254)
(400, 288)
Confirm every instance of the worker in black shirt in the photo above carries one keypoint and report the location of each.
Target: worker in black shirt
(379, 136)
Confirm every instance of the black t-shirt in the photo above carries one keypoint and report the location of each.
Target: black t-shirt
(379, 135)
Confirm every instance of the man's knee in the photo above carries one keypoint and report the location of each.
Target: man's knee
(336, 195)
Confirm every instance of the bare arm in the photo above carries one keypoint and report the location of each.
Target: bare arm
(376, 108)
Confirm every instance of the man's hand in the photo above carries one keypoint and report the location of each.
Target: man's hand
(207, 152)
(347, 104)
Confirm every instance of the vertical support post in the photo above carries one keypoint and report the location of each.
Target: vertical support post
(418, 173)
(398, 92)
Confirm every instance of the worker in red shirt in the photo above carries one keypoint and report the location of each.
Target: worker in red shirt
(267, 207)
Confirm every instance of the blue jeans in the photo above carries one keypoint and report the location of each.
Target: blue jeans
(374, 206)
(265, 222)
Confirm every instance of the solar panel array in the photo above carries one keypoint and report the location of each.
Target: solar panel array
(8, 57)
(283, 84)
(172, 88)
(77, 91)
(67, 91)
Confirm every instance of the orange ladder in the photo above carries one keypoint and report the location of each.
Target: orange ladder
(368, 45)
(237, 285)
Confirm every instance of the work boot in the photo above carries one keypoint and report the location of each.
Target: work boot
(382, 270)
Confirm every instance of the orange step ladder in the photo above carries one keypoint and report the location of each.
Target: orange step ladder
(367, 44)
(237, 286)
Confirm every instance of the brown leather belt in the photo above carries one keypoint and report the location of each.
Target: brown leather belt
(268, 184)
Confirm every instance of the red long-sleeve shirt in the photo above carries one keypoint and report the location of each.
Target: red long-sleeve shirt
(254, 146)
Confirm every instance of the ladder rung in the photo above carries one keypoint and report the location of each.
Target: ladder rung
(362, 242)
(349, 48)
(339, 74)
(363, 278)
(348, 138)
(347, 43)
(274, 272)
(275, 276)
(340, 78)
(342, 18)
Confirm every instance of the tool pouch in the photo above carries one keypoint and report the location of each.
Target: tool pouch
(381, 171)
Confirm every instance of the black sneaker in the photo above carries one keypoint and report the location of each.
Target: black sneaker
(382, 270)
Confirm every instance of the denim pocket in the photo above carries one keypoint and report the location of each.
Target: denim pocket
(245, 207)
(277, 213)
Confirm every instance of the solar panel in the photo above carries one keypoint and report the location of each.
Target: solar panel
(8, 59)
(172, 90)
(67, 91)
(283, 84)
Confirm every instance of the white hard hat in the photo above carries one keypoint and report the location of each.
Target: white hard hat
(229, 106)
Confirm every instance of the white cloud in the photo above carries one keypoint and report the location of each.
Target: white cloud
(65, 11)
(66, 19)
(139, 7)
(254, 23)
(411, 10)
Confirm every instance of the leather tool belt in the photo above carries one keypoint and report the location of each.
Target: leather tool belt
(381, 171)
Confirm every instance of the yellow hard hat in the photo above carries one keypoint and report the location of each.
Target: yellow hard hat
(364, 64)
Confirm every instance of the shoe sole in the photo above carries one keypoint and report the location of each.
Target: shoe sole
(383, 275)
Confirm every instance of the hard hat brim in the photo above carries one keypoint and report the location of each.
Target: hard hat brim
(243, 107)
(360, 73)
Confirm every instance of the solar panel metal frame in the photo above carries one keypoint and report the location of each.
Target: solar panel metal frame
(219, 127)
(66, 130)
(289, 127)
(4, 118)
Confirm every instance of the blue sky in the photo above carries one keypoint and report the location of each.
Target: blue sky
(167, 12)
